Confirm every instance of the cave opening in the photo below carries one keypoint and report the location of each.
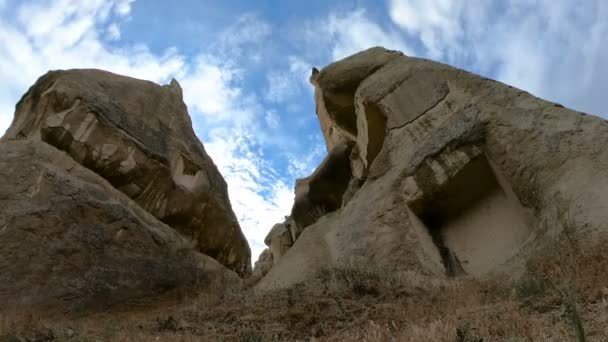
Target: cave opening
(474, 220)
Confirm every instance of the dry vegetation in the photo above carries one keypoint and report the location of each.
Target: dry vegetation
(562, 297)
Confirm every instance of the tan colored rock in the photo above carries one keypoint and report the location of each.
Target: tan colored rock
(262, 267)
(70, 242)
(139, 137)
(323, 191)
(333, 133)
(462, 175)
(335, 88)
(279, 240)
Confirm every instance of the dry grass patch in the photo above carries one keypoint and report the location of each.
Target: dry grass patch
(358, 302)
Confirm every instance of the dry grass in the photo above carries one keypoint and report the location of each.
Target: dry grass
(565, 286)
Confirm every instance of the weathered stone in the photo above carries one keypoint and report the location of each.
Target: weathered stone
(334, 134)
(461, 174)
(262, 267)
(279, 240)
(71, 242)
(322, 192)
(335, 88)
(139, 137)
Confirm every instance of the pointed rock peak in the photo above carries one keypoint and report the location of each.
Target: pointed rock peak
(174, 85)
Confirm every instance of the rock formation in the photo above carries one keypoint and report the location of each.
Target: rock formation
(278, 240)
(138, 136)
(447, 174)
(71, 242)
(107, 196)
(262, 266)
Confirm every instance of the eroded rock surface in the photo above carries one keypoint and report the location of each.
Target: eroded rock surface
(335, 88)
(278, 240)
(70, 242)
(262, 266)
(450, 174)
(323, 191)
(138, 136)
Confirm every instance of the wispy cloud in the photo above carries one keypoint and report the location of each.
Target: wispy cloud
(259, 195)
(69, 34)
(232, 121)
(272, 118)
(253, 110)
(554, 49)
(212, 87)
(285, 83)
(350, 32)
(435, 22)
(241, 40)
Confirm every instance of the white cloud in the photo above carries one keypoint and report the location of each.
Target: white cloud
(66, 35)
(243, 39)
(210, 87)
(436, 22)
(258, 195)
(214, 87)
(280, 86)
(272, 118)
(113, 32)
(301, 69)
(284, 84)
(123, 7)
(553, 48)
(352, 32)
(69, 34)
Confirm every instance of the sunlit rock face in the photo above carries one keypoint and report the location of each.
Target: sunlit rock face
(448, 173)
(138, 136)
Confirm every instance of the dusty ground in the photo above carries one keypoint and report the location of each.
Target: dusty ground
(562, 297)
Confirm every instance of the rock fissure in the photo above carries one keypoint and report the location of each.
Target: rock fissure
(435, 105)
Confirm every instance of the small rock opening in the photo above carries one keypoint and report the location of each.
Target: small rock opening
(189, 168)
(187, 174)
(341, 108)
(474, 220)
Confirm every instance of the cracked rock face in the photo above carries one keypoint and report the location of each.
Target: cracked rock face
(71, 243)
(449, 173)
(138, 136)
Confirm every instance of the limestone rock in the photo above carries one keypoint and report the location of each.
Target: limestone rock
(139, 137)
(451, 174)
(71, 242)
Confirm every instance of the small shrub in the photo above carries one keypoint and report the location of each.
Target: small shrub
(359, 280)
(251, 336)
(464, 333)
(530, 287)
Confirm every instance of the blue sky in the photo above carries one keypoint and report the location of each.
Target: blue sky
(244, 65)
